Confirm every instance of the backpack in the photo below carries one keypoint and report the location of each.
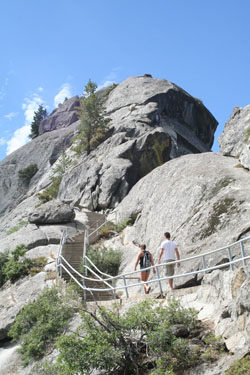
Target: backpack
(146, 261)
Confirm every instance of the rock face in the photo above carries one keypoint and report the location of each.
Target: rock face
(152, 121)
(61, 117)
(54, 212)
(235, 139)
(202, 200)
(42, 151)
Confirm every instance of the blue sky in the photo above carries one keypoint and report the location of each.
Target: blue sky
(50, 48)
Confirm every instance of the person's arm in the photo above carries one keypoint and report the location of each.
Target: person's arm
(137, 260)
(152, 262)
(161, 255)
(178, 256)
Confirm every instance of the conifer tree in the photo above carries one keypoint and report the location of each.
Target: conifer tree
(93, 122)
(39, 115)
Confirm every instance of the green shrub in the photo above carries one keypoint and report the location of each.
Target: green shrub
(51, 191)
(108, 229)
(106, 260)
(39, 323)
(3, 260)
(240, 367)
(14, 266)
(122, 344)
(14, 229)
(26, 174)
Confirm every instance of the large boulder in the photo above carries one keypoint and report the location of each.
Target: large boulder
(235, 139)
(152, 121)
(52, 212)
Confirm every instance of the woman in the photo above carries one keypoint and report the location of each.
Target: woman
(146, 260)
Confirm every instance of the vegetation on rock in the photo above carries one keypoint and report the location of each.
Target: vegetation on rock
(93, 122)
(106, 260)
(14, 266)
(39, 116)
(240, 367)
(16, 228)
(26, 174)
(52, 190)
(40, 322)
(110, 228)
(147, 338)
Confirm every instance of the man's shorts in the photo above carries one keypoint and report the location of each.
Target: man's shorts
(170, 267)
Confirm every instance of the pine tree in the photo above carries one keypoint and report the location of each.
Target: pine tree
(39, 115)
(93, 122)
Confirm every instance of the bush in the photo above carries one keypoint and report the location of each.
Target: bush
(109, 228)
(240, 367)
(39, 323)
(26, 174)
(106, 260)
(14, 266)
(125, 344)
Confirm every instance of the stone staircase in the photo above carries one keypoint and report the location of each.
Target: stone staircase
(72, 251)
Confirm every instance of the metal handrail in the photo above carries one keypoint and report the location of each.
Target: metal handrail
(158, 279)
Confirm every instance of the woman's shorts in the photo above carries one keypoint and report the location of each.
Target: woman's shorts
(142, 268)
(170, 267)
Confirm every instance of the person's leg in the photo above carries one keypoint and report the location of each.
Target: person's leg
(170, 272)
(144, 277)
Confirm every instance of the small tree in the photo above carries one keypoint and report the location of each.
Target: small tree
(39, 116)
(93, 125)
(51, 191)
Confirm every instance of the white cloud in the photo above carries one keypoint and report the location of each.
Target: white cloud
(21, 135)
(65, 92)
(30, 106)
(40, 89)
(11, 115)
(19, 139)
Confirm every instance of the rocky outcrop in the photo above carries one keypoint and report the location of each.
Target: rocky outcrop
(104, 178)
(202, 200)
(235, 139)
(42, 151)
(61, 117)
(53, 212)
(152, 121)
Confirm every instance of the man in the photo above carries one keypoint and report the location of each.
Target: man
(169, 249)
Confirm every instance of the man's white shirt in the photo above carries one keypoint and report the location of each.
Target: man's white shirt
(169, 249)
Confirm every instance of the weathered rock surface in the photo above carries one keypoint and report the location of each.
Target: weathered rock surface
(202, 200)
(104, 178)
(235, 139)
(42, 151)
(61, 117)
(52, 212)
(153, 121)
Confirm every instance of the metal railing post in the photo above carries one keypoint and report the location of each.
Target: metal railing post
(125, 285)
(242, 253)
(84, 263)
(230, 257)
(113, 289)
(204, 263)
(158, 279)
